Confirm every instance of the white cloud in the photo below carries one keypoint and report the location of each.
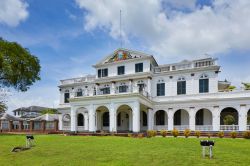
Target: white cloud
(12, 12)
(215, 29)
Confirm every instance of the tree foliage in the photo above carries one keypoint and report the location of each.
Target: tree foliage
(229, 120)
(49, 111)
(3, 107)
(18, 67)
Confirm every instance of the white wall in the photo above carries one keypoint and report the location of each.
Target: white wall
(129, 67)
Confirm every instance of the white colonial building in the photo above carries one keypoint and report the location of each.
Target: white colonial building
(132, 92)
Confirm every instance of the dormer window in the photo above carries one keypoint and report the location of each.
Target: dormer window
(138, 67)
(203, 84)
(120, 70)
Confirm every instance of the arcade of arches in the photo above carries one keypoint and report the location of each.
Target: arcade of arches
(124, 119)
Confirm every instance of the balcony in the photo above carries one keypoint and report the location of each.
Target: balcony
(134, 90)
(88, 78)
(204, 127)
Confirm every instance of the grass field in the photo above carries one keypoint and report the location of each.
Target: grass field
(79, 150)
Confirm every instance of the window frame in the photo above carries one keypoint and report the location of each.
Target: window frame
(120, 70)
(159, 90)
(138, 67)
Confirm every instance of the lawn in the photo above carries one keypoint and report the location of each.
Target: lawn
(80, 150)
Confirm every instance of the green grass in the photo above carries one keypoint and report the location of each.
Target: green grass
(80, 150)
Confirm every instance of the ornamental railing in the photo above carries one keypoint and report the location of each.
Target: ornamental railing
(204, 127)
(181, 127)
(160, 127)
(229, 127)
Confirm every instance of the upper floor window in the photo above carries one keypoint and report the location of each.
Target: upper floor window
(181, 86)
(121, 70)
(161, 88)
(79, 92)
(102, 73)
(203, 84)
(66, 96)
(138, 67)
(123, 88)
(105, 90)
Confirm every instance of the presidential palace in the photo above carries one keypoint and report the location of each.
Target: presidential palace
(131, 92)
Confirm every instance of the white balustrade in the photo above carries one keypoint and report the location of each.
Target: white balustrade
(204, 127)
(160, 127)
(229, 127)
(181, 127)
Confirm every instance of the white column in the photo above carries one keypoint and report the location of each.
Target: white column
(86, 121)
(97, 89)
(92, 127)
(112, 118)
(150, 119)
(170, 119)
(216, 119)
(191, 119)
(149, 86)
(73, 119)
(60, 123)
(243, 118)
(136, 117)
(112, 88)
(130, 86)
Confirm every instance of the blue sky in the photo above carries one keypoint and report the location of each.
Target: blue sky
(70, 36)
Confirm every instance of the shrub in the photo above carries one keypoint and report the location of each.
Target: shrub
(151, 133)
(197, 134)
(187, 133)
(175, 133)
(220, 134)
(141, 135)
(164, 133)
(130, 135)
(246, 134)
(233, 134)
(208, 135)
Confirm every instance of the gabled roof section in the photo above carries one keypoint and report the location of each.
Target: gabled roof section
(123, 54)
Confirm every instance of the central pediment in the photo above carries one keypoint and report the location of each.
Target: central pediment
(122, 54)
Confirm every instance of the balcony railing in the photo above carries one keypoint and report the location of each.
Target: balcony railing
(229, 127)
(181, 127)
(160, 127)
(204, 127)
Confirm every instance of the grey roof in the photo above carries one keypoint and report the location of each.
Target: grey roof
(46, 117)
(6, 116)
(31, 109)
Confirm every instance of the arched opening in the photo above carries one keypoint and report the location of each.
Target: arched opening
(181, 119)
(203, 120)
(124, 118)
(248, 120)
(144, 120)
(66, 122)
(102, 118)
(160, 120)
(229, 119)
(105, 119)
(80, 120)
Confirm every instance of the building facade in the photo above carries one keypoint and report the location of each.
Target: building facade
(131, 92)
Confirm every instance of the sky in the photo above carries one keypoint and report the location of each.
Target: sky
(70, 36)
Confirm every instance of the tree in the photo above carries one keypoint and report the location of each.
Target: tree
(49, 111)
(18, 67)
(229, 120)
(3, 107)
